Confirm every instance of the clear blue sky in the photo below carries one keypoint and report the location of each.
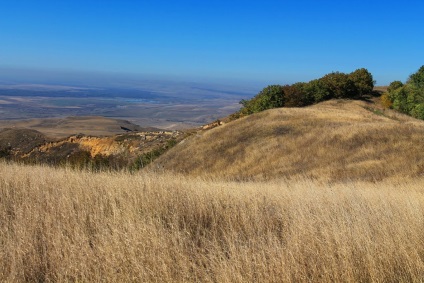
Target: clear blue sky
(266, 41)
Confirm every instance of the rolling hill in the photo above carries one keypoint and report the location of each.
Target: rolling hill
(64, 127)
(337, 140)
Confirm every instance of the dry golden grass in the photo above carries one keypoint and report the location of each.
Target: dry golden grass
(62, 225)
(335, 140)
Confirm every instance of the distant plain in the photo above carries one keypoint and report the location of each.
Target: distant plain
(161, 105)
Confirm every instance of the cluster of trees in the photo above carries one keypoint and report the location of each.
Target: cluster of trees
(409, 97)
(333, 85)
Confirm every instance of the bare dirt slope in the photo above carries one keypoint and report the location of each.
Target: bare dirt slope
(335, 140)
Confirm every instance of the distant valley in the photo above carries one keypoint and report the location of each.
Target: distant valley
(166, 105)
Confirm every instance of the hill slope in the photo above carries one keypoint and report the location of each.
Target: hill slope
(334, 140)
(112, 152)
(65, 127)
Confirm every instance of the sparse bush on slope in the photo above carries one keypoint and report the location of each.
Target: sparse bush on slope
(333, 85)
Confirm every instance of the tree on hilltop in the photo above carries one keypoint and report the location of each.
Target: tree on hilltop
(363, 81)
(332, 85)
(271, 96)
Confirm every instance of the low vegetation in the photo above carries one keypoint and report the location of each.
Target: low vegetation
(62, 225)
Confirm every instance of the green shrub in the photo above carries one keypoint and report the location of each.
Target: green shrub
(363, 81)
(417, 79)
(394, 86)
(418, 111)
(271, 96)
(409, 98)
(295, 95)
(339, 85)
(148, 157)
(318, 90)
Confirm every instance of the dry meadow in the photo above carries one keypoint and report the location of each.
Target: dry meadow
(60, 225)
(330, 141)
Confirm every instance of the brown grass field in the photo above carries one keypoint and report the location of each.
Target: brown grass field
(60, 225)
(338, 140)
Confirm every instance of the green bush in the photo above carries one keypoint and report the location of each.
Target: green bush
(318, 90)
(394, 86)
(417, 79)
(418, 111)
(296, 95)
(409, 98)
(340, 85)
(363, 81)
(148, 157)
(271, 96)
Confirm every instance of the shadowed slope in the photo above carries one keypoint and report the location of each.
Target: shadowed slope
(335, 140)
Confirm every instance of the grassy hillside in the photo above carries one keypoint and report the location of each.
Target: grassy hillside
(335, 140)
(63, 225)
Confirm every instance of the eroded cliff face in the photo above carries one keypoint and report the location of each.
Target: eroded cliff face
(132, 143)
(94, 145)
(82, 149)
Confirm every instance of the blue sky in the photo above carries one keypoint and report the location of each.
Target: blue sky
(262, 41)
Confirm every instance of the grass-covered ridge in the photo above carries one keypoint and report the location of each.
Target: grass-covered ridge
(63, 225)
(337, 140)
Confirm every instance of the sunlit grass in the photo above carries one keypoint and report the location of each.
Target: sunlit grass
(65, 225)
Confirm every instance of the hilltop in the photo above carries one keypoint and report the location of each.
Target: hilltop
(333, 140)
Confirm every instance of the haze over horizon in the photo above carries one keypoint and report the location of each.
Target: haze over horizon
(264, 42)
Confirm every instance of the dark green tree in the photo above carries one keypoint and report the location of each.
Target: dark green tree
(339, 85)
(417, 79)
(271, 96)
(394, 86)
(295, 95)
(363, 81)
(318, 90)
(409, 98)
